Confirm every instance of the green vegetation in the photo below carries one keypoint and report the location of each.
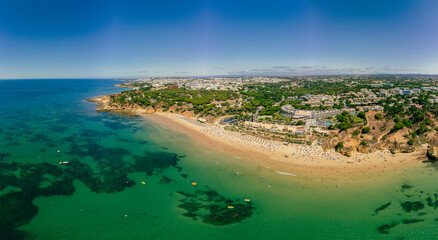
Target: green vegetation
(397, 126)
(355, 132)
(347, 121)
(339, 146)
(300, 122)
(365, 130)
(407, 123)
(198, 101)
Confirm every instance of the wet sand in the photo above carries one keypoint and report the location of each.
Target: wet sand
(296, 159)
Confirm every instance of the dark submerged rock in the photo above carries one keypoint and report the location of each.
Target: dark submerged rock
(166, 180)
(410, 221)
(383, 207)
(412, 206)
(384, 229)
(405, 187)
(214, 209)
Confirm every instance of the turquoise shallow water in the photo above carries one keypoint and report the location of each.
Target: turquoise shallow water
(100, 194)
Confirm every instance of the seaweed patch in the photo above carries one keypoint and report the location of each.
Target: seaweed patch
(383, 207)
(405, 187)
(107, 179)
(40, 137)
(4, 155)
(213, 208)
(432, 203)
(412, 206)
(98, 152)
(16, 208)
(109, 175)
(155, 162)
(386, 227)
(410, 221)
(166, 180)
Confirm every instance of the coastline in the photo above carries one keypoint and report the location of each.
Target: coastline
(293, 159)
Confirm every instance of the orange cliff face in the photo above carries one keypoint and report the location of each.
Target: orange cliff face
(379, 137)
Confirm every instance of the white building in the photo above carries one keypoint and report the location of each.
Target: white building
(291, 112)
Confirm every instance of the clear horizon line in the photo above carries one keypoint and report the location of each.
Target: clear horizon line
(223, 75)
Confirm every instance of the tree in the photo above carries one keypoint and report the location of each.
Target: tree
(342, 118)
(417, 117)
(427, 122)
(362, 115)
(397, 127)
(345, 126)
(422, 129)
(407, 122)
(366, 130)
(339, 146)
(300, 122)
(378, 116)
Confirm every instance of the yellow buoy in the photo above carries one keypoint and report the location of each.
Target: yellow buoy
(60, 163)
(230, 207)
(143, 182)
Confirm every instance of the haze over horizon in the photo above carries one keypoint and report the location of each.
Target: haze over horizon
(76, 39)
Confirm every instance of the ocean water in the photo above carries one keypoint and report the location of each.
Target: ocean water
(129, 178)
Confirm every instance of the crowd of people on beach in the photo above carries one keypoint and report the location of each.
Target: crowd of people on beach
(307, 153)
(237, 137)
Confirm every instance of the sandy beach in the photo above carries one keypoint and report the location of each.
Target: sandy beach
(292, 159)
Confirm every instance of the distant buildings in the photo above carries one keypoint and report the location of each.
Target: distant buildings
(209, 83)
(318, 100)
(383, 93)
(291, 112)
(381, 85)
(404, 91)
(435, 89)
(410, 91)
(376, 108)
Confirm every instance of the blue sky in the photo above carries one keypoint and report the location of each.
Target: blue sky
(110, 38)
